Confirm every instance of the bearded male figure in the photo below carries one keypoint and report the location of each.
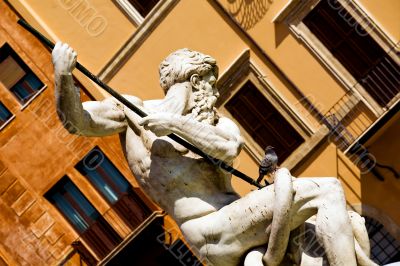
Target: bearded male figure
(220, 225)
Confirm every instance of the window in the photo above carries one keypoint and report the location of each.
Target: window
(5, 114)
(262, 121)
(137, 10)
(81, 214)
(16, 76)
(356, 50)
(143, 6)
(113, 186)
(384, 248)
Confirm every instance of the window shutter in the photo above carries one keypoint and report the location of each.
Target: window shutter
(10, 72)
(263, 122)
(83, 216)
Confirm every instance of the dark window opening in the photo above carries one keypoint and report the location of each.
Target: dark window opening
(263, 122)
(16, 76)
(85, 219)
(143, 6)
(384, 248)
(114, 187)
(150, 248)
(5, 114)
(356, 50)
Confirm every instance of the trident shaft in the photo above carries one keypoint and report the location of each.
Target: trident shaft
(139, 112)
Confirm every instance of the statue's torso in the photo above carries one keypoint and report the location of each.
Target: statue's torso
(181, 182)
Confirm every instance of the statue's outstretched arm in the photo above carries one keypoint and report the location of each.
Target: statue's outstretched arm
(95, 118)
(280, 227)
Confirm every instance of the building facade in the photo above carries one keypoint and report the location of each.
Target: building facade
(319, 80)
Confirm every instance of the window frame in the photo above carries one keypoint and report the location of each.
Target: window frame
(375, 229)
(125, 199)
(99, 223)
(234, 78)
(293, 14)
(60, 187)
(107, 181)
(18, 59)
(131, 11)
(8, 121)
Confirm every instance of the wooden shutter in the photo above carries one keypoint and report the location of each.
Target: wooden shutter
(10, 72)
(101, 237)
(98, 234)
(263, 122)
(356, 50)
(131, 209)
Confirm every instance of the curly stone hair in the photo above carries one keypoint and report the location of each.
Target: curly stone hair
(180, 65)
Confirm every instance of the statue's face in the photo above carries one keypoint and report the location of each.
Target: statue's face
(209, 81)
(204, 88)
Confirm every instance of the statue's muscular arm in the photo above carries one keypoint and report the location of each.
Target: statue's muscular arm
(222, 141)
(93, 118)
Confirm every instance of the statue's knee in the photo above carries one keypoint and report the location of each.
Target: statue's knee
(192, 233)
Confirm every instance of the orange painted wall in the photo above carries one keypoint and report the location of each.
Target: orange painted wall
(35, 152)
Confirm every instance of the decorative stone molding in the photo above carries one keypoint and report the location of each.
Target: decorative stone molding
(149, 24)
(130, 11)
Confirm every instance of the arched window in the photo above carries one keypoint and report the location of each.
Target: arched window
(384, 248)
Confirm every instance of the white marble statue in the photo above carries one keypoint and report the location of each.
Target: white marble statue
(221, 227)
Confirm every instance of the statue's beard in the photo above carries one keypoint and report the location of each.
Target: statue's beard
(204, 110)
(204, 101)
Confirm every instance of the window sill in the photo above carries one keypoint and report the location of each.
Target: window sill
(7, 122)
(33, 97)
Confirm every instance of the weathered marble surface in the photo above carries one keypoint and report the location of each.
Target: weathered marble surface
(222, 228)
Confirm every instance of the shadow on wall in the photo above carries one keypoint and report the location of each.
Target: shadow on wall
(248, 12)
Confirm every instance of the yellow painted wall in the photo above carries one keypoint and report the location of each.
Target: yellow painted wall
(290, 54)
(321, 162)
(328, 161)
(139, 76)
(96, 29)
(385, 14)
(362, 187)
(385, 195)
(87, 25)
